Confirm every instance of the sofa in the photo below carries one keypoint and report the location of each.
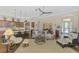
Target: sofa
(67, 42)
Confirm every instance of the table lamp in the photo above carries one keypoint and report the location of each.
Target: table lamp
(8, 33)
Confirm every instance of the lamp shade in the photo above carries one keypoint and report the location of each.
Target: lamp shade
(8, 31)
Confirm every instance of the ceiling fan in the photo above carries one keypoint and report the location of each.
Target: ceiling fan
(43, 12)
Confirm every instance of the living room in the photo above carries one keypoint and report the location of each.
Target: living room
(39, 29)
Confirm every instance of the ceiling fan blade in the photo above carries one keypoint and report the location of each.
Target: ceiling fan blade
(49, 12)
(40, 10)
(41, 14)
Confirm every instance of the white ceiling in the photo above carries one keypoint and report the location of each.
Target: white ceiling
(29, 11)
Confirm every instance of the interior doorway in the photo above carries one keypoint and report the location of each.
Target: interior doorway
(66, 27)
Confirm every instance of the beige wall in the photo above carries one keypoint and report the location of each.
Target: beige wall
(74, 16)
(58, 19)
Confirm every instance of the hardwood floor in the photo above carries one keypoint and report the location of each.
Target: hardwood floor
(2, 49)
(76, 49)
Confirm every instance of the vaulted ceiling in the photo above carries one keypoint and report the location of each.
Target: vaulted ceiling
(29, 11)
